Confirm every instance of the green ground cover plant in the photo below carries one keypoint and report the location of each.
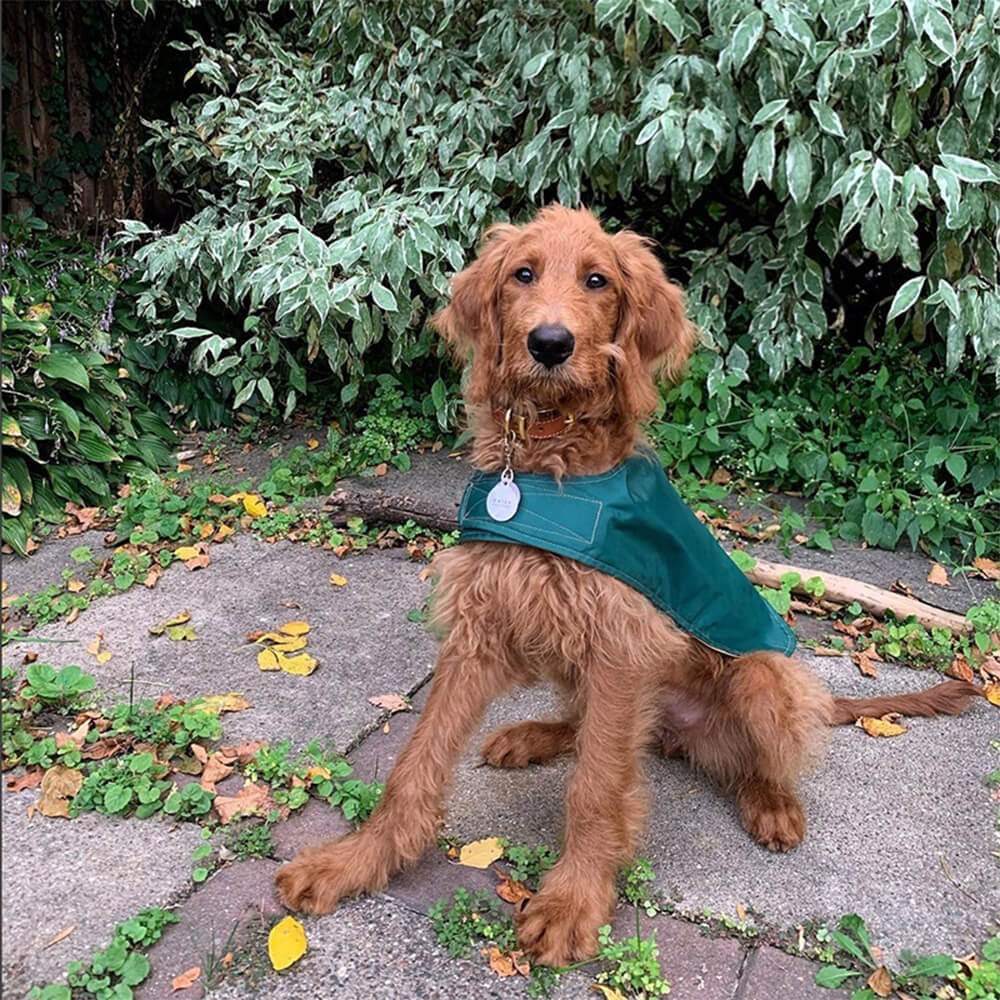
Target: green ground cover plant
(112, 972)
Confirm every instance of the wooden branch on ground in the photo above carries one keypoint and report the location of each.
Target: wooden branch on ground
(377, 508)
(874, 600)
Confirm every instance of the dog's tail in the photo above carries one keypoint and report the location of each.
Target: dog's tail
(949, 698)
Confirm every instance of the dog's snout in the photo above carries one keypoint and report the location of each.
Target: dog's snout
(550, 344)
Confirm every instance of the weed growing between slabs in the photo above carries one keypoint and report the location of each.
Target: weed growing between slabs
(922, 978)
(473, 921)
(112, 972)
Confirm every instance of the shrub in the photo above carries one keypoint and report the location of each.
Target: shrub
(810, 167)
(75, 418)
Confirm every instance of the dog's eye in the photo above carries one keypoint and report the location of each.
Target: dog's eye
(524, 275)
(596, 280)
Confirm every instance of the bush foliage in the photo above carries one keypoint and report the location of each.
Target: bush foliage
(76, 417)
(813, 169)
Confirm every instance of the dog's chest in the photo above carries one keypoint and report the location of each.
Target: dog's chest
(544, 609)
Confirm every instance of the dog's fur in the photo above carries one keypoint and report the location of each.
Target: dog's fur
(515, 615)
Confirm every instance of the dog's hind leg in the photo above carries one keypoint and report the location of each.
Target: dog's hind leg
(533, 742)
(765, 724)
(406, 820)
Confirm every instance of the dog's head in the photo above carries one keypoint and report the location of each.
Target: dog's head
(559, 313)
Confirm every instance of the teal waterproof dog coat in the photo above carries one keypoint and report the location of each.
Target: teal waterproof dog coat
(631, 523)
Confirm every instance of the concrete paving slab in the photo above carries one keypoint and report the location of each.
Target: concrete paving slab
(90, 873)
(360, 634)
(773, 975)
(900, 830)
(232, 908)
(45, 566)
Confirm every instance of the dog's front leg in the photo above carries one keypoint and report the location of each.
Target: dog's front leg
(605, 809)
(405, 822)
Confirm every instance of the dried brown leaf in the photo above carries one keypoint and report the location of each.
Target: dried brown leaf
(250, 800)
(390, 702)
(988, 568)
(938, 576)
(32, 779)
(880, 982)
(186, 979)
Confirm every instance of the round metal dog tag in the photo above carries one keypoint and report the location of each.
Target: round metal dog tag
(503, 500)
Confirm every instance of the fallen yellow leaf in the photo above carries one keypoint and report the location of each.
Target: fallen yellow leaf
(481, 853)
(183, 467)
(253, 505)
(316, 771)
(286, 943)
(294, 628)
(186, 552)
(224, 532)
(880, 727)
(302, 665)
(313, 444)
(337, 580)
(270, 637)
(64, 933)
(75, 586)
(992, 692)
(291, 645)
(218, 703)
(607, 991)
(268, 660)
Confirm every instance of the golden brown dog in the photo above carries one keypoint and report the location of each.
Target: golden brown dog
(560, 316)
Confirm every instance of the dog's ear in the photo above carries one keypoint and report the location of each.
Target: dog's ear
(652, 319)
(471, 322)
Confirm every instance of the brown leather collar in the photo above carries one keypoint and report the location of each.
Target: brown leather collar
(549, 424)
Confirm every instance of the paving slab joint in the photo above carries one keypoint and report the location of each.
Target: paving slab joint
(378, 723)
(743, 976)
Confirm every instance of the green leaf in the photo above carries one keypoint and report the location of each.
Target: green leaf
(905, 297)
(769, 112)
(66, 368)
(969, 170)
(798, 169)
(135, 969)
(535, 65)
(939, 966)
(832, 977)
(957, 466)
(939, 30)
(745, 38)
(827, 119)
(383, 298)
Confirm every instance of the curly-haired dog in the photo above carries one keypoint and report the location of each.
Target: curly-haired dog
(566, 326)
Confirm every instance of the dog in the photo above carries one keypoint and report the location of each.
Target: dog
(567, 327)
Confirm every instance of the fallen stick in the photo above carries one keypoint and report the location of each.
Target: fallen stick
(874, 600)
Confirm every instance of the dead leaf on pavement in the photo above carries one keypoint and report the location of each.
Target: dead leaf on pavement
(294, 628)
(185, 552)
(215, 771)
(481, 853)
(153, 576)
(106, 747)
(30, 780)
(59, 785)
(500, 963)
(186, 979)
(988, 568)
(992, 692)
(199, 752)
(250, 800)
(884, 726)
(245, 752)
(267, 659)
(95, 649)
(510, 890)
(390, 702)
(179, 633)
(865, 662)
(64, 933)
(286, 943)
(938, 576)
(337, 580)
(253, 505)
(293, 645)
(302, 664)
(219, 703)
(381, 469)
(959, 669)
(224, 532)
(607, 992)
(901, 587)
(880, 982)
(75, 586)
(827, 651)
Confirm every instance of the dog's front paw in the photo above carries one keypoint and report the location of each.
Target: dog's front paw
(559, 926)
(773, 818)
(320, 877)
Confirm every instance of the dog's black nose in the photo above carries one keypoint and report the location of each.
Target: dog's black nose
(550, 344)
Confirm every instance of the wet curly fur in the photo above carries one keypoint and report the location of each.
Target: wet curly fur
(511, 615)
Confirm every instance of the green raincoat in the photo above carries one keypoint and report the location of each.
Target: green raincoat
(631, 523)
